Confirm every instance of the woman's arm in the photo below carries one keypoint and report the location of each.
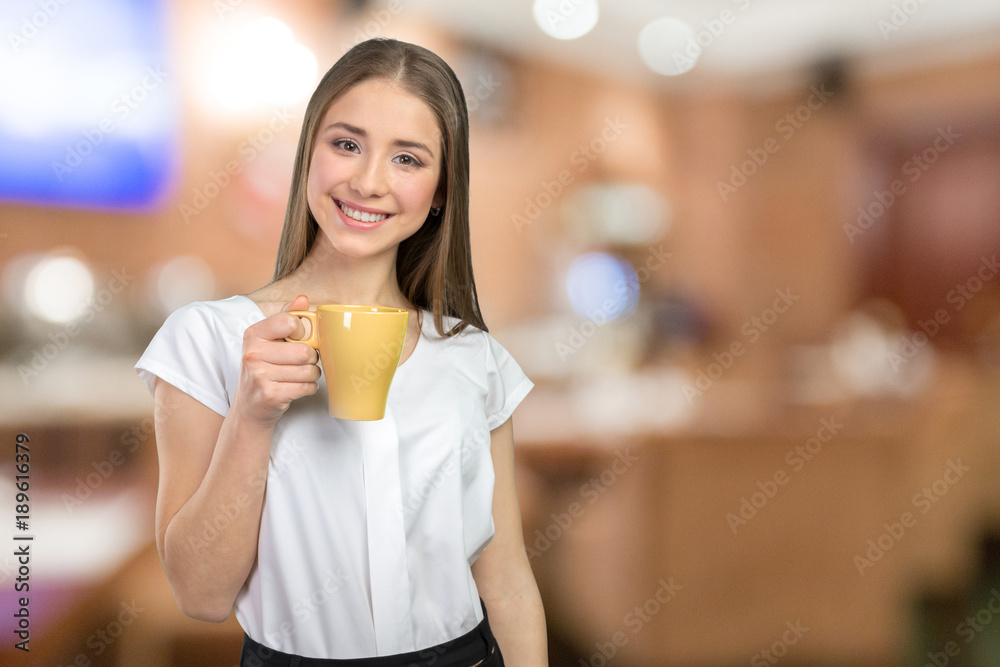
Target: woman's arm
(502, 572)
(213, 469)
(208, 501)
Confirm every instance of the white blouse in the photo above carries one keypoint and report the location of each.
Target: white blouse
(369, 529)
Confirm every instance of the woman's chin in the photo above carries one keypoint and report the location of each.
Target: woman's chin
(359, 250)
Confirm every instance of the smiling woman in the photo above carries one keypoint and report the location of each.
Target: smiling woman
(378, 214)
(373, 176)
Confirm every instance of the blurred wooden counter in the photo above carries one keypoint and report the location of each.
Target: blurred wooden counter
(706, 549)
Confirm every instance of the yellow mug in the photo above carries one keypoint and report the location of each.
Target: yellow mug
(359, 347)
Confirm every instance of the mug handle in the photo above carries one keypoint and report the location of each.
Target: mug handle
(313, 339)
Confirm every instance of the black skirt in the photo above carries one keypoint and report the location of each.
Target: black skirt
(476, 648)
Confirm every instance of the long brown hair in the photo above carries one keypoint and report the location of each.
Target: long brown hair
(434, 265)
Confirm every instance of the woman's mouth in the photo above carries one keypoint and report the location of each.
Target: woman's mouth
(361, 216)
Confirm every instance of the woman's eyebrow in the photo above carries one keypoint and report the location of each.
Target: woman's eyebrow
(361, 132)
(403, 143)
(347, 126)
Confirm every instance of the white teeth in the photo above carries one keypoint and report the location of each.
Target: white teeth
(362, 216)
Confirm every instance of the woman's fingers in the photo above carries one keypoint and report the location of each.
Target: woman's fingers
(291, 373)
(277, 327)
(285, 353)
(303, 327)
(276, 371)
(301, 302)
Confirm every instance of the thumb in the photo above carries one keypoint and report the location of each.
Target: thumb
(302, 325)
(301, 302)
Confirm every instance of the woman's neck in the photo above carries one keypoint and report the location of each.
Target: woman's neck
(327, 276)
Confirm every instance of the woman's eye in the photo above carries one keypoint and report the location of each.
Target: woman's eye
(408, 161)
(346, 144)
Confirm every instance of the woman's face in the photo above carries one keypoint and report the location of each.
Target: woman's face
(375, 169)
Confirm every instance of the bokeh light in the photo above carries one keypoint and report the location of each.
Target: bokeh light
(871, 359)
(669, 46)
(566, 19)
(618, 213)
(261, 63)
(182, 280)
(57, 288)
(602, 287)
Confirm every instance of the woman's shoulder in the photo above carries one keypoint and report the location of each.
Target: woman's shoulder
(468, 334)
(271, 298)
(231, 314)
(471, 345)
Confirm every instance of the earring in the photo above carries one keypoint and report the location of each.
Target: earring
(436, 211)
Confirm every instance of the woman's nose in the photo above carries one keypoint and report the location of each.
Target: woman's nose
(369, 179)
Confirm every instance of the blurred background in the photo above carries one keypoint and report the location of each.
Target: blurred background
(746, 249)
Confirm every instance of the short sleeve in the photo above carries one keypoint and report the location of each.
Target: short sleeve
(506, 383)
(190, 352)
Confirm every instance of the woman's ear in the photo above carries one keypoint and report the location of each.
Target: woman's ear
(440, 197)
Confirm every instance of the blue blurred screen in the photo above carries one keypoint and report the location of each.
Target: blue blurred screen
(87, 104)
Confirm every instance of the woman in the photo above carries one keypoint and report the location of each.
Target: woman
(338, 542)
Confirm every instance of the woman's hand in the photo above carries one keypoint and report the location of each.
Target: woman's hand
(209, 462)
(274, 372)
(502, 572)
